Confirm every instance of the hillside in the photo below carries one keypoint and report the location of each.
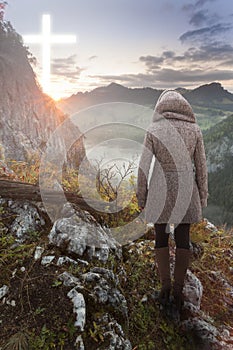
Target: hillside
(82, 290)
(27, 116)
(219, 150)
(211, 102)
(211, 95)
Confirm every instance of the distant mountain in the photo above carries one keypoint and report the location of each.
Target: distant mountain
(27, 116)
(110, 93)
(211, 95)
(207, 96)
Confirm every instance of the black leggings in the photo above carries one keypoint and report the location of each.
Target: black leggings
(181, 235)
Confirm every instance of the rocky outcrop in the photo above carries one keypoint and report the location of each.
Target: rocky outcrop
(24, 218)
(27, 116)
(75, 287)
(81, 234)
(92, 291)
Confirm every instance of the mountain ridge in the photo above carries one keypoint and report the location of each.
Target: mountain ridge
(208, 95)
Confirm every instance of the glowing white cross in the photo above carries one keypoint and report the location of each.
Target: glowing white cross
(46, 39)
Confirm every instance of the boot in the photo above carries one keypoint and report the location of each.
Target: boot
(181, 266)
(163, 261)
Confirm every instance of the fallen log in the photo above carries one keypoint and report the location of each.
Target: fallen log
(24, 191)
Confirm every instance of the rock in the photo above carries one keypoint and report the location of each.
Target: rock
(99, 287)
(226, 337)
(79, 345)
(207, 336)
(80, 233)
(69, 280)
(79, 308)
(4, 290)
(64, 260)
(205, 333)
(82, 262)
(193, 290)
(67, 210)
(38, 253)
(210, 226)
(103, 286)
(14, 272)
(108, 274)
(27, 218)
(91, 277)
(46, 260)
(197, 250)
(113, 335)
(11, 303)
(144, 298)
(228, 294)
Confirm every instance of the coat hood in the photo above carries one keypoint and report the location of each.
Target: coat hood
(172, 105)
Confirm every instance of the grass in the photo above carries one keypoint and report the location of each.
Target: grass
(149, 328)
(44, 315)
(48, 325)
(217, 258)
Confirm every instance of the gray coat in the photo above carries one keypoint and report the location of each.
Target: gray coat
(178, 185)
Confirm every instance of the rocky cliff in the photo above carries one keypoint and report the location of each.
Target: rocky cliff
(27, 116)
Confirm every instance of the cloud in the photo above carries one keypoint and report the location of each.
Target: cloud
(199, 18)
(209, 54)
(196, 6)
(188, 8)
(152, 62)
(200, 3)
(66, 67)
(164, 78)
(155, 62)
(206, 34)
(208, 57)
(92, 57)
(208, 25)
(196, 65)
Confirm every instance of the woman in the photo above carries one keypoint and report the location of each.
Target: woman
(178, 187)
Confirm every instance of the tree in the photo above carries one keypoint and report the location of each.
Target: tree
(2, 10)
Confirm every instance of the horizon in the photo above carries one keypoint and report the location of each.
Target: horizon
(142, 87)
(164, 45)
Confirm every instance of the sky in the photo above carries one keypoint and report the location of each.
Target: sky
(136, 43)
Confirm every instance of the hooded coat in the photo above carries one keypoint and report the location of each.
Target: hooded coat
(178, 185)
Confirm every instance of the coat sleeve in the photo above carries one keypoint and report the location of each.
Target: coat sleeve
(201, 169)
(143, 170)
